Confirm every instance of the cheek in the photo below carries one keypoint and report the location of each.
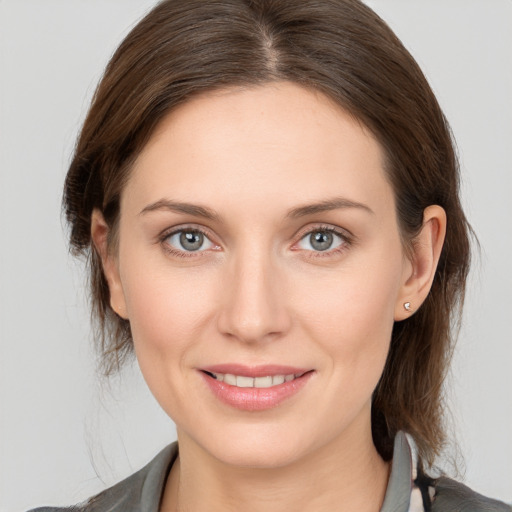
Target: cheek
(351, 314)
(167, 308)
(168, 312)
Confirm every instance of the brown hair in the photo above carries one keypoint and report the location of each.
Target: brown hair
(342, 49)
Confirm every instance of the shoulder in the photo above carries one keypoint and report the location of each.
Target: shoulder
(77, 508)
(141, 490)
(452, 496)
(440, 494)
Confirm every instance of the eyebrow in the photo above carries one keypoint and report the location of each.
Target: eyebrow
(335, 203)
(178, 207)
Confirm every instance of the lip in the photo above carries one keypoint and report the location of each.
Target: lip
(255, 399)
(255, 371)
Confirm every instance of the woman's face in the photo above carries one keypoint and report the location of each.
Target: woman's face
(259, 247)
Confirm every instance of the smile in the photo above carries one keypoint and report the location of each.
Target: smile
(242, 381)
(256, 388)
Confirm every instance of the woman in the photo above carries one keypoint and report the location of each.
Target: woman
(269, 196)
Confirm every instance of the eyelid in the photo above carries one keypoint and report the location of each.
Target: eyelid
(342, 232)
(346, 236)
(168, 232)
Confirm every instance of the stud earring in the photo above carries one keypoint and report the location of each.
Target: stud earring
(407, 307)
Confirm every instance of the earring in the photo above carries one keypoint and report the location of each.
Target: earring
(407, 307)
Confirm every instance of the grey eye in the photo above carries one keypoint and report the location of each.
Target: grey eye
(321, 240)
(189, 241)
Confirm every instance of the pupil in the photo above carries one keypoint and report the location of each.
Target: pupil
(321, 240)
(191, 241)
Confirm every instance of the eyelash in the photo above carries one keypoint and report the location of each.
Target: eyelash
(346, 241)
(182, 254)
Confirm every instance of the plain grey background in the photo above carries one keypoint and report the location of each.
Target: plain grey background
(64, 435)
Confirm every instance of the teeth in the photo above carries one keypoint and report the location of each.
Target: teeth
(229, 379)
(263, 382)
(242, 381)
(279, 379)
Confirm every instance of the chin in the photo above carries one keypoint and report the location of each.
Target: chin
(256, 447)
(256, 456)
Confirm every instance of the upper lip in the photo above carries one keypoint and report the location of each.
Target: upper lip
(254, 371)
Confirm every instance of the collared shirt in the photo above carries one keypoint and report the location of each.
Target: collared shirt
(142, 491)
(405, 493)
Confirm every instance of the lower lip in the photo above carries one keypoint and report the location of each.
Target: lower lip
(255, 399)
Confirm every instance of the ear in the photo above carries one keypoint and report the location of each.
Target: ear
(99, 235)
(422, 263)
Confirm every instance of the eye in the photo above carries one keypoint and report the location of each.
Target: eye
(188, 240)
(321, 240)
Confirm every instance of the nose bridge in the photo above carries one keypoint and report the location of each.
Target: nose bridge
(253, 308)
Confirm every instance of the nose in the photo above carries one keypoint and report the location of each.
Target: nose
(252, 302)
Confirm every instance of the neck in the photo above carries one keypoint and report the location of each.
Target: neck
(335, 477)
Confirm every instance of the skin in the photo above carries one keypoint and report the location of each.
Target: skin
(259, 293)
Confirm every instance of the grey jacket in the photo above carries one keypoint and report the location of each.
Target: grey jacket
(142, 491)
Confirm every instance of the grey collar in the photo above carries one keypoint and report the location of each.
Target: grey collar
(398, 493)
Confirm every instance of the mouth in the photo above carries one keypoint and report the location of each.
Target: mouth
(255, 388)
(243, 381)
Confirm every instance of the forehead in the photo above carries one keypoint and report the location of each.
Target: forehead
(278, 143)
